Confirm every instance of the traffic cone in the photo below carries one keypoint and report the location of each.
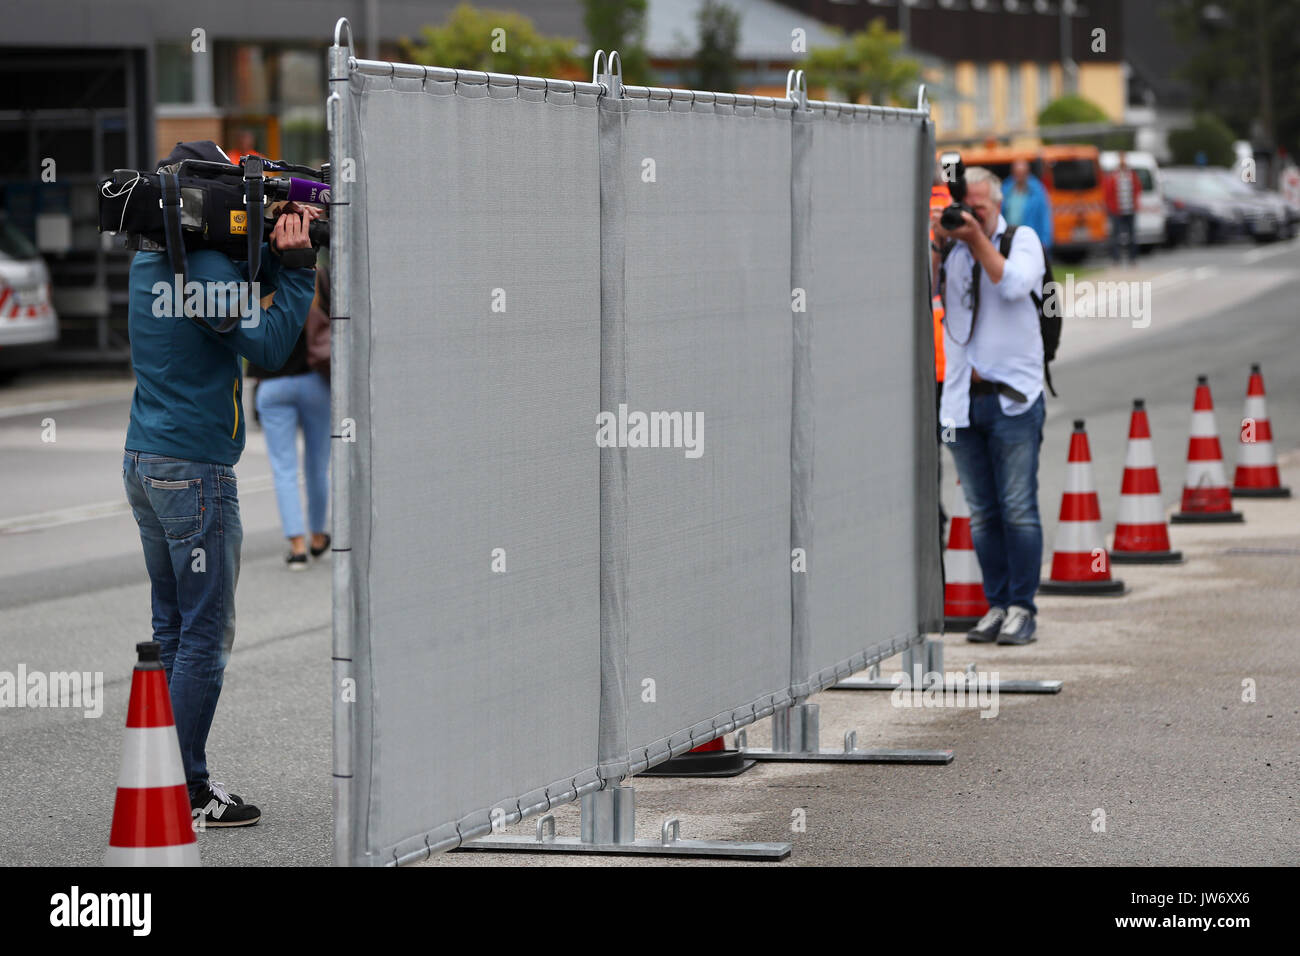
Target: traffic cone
(151, 818)
(1205, 491)
(1080, 564)
(963, 584)
(1257, 475)
(1141, 535)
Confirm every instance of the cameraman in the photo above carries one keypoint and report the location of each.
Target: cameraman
(185, 435)
(993, 400)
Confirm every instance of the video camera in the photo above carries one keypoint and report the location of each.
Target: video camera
(951, 217)
(201, 204)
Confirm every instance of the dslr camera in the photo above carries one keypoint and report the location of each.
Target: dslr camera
(954, 175)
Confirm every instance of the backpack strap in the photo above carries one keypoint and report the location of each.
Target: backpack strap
(1036, 297)
(171, 211)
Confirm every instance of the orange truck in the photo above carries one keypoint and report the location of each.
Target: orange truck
(1072, 175)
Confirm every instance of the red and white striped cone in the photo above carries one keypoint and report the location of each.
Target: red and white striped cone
(1205, 490)
(964, 602)
(1141, 535)
(151, 818)
(1257, 475)
(1080, 564)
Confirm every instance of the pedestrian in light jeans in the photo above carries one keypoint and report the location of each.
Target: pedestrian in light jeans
(293, 397)
(993, 403)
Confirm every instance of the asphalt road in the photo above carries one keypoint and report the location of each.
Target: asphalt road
(1150, 725)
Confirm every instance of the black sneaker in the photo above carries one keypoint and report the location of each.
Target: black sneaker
(317, 552)
(1019, 627)
(211, 806)
(987, 630)
(296, 562)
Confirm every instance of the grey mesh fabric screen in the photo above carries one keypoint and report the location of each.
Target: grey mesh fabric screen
(705, 325)
(528, 612)
(477, 300)
(857, 179)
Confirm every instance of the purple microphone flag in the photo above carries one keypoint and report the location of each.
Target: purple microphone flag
(308, 191)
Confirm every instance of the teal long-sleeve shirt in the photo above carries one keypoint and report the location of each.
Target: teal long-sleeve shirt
(188, 378)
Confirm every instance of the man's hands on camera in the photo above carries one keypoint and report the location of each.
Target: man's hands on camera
(970, 232)
(290, 239)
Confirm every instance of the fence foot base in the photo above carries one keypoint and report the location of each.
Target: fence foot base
(956, 684)
(850, 756)
(714, 849)
(925, 664)
(796, 738)
(608, 829)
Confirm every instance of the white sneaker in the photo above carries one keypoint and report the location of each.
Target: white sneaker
(987, 630)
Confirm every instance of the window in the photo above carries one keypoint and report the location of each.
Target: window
(1044, 85)
(948, 115)
(174, 73)
(983, 97)
(1015, 97)
(1074, 174)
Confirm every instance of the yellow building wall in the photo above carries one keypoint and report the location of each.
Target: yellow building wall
(1103, 84)
(965, 81)
(998, 90)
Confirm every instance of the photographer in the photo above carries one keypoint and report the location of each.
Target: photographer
(993, 398)
(185, 435)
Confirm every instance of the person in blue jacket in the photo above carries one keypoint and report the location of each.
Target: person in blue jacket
(185, 435)
(1025, 203)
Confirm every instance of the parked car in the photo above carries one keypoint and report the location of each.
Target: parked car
(1275, 220)
(1207, 211)
(29, 326)
(1151, 216)
(1073, 181)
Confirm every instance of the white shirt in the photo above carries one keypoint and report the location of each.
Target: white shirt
(1007, 345)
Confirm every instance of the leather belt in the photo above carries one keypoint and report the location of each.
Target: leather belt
(985, 387)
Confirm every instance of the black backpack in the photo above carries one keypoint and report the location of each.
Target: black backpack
(1049, 326)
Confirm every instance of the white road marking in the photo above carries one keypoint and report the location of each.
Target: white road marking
(93, 512)
(36, 407)
(1168, 278)
(1267, 252)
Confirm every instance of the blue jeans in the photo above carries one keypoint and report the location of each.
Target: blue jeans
(1123, 223)
(188, 515)
(284, 404)
(997, 462)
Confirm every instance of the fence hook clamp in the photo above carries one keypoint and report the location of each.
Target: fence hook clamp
(339, 26)
(671, 832)
(796, 88)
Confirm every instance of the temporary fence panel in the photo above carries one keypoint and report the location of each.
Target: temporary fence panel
(871, 391)
(475, 549)
(525, 611)
(705, 326)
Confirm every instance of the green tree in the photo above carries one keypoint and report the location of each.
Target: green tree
(1242, 60)
(1071, 109)
(715, 58)
(492, 41)
(868, 63)
(620, 25)
(1207, 137)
